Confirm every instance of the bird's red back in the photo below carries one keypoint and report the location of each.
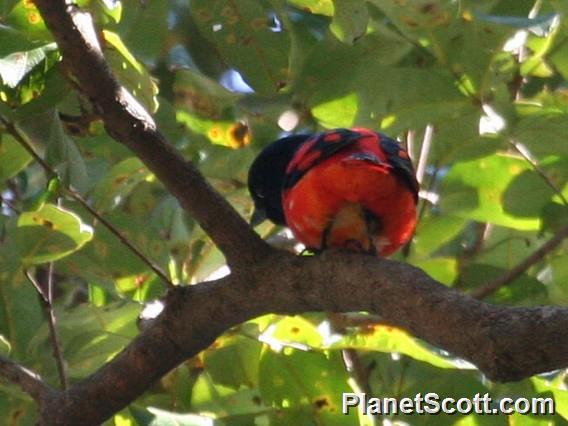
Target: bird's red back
(353, 189)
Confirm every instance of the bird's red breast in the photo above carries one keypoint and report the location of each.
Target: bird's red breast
(353, 189)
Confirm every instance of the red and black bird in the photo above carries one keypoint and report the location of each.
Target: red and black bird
(343, 188)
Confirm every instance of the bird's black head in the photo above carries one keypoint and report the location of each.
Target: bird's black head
(266, 178)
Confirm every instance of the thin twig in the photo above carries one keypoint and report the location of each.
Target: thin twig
(8, 203)
(518, 270)
(542, 173)
(424, 153)
(77, 197)
(410, 135)
(55, 340)
(422, 161)
(28, 381)
(157, 270)
(47, 299)
(351, 358)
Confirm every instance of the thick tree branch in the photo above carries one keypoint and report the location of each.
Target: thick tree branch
(505, 343)
(127, 121)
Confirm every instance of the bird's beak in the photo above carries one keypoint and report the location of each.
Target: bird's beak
(258, 216)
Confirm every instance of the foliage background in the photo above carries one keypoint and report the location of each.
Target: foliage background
(226, 77)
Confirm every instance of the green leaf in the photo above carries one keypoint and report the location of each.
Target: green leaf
(307, 382)
(321, 7)
(152, 416)
(51, 89)
(414, 377)
(226, 163)
(62, 152)
(90, 335)
(443, 269)
(233, 362)
(14, 67)
(459, 139)
(504, 247)
(111, 8)
(418, 15)
(554, 216)
(24, 76)
(559, 393)
(349, 20)
(528, 192)
(558, 284)
(410, 98)
(204, 96)
(5, 346)
(105, 259)
(118, 183)
(233, 407)
(475, 189)
(248, 39)
(17, 408)
(472, 49)
(25, 17)
(544, 133)
(390, 339)
(49, 234)
(294, 331)
(130, 71)
(435, 230)
(139, 18)
(20, 310)
(13, 158)
(338, 112)
(525, 290)
(13, 40)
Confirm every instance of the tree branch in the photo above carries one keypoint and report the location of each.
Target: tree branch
(28, 381)
(127, 121)
(505, 343)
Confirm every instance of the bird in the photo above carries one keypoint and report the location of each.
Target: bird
(353, 189)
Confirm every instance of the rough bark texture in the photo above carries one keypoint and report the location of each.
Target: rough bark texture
(505, 343)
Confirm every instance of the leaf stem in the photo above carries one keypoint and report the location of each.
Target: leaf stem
(518, 270)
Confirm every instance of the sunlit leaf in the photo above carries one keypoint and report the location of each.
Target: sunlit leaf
(323, 7)
(26, 17)
(14, 67)
(390, 339)
(130, 71)
(475, 190)
(49, 234)
(307, 384)
(442, 269)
